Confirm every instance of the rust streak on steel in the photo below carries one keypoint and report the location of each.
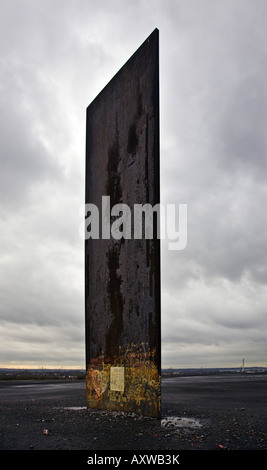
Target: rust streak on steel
(122, 277)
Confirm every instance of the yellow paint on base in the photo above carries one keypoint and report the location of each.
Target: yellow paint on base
(130, 385)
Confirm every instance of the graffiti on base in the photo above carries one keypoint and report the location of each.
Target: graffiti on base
(130, 382)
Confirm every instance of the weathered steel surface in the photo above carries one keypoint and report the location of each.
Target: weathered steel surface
(122, 277)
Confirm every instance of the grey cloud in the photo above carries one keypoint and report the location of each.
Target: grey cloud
(24, 157)
(243, 136)
(213, 94)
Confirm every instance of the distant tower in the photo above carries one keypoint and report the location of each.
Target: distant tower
(243, 366)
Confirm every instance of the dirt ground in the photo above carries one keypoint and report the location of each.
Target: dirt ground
(215, 413)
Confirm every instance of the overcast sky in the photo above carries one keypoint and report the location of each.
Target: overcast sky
(55, 57)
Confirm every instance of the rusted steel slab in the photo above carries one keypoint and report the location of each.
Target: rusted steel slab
(122, 276)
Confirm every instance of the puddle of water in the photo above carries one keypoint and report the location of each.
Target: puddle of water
(23, 386)
(176, 422)
(75, 408)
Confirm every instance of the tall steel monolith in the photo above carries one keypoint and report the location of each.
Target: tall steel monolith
(122, 274)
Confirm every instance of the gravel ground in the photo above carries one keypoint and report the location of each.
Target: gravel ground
(196, 415)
